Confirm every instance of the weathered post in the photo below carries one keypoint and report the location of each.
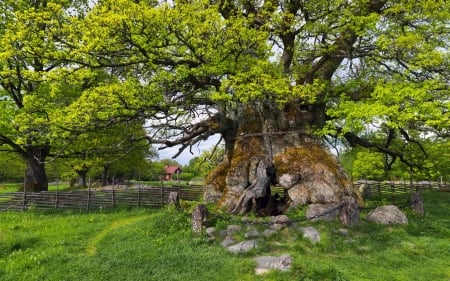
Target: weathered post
(174, 199)
(417, 202)
(349, 211)
(199, 218)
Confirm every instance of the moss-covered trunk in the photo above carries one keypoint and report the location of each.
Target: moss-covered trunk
(274, 146)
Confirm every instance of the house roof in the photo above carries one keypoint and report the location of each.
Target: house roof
(173, 169)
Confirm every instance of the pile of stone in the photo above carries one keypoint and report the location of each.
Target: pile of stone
(231, 237)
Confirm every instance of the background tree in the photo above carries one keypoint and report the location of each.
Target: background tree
(12, 167)
(339, 68)
(31, 60)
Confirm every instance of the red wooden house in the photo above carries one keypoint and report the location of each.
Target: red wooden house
(171, 171)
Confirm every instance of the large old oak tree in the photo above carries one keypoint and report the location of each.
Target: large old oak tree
(274, 79)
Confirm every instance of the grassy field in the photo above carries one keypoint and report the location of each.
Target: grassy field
(143, 244)
(14, 187)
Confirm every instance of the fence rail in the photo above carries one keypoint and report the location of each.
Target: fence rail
(389, 188)
(158, 196)
(96, 199)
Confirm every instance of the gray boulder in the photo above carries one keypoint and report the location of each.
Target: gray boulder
(310, 233)
(243, 247)
(327, 212)
(279, 222)
(388, 214)
(228, 242)
(266, 263)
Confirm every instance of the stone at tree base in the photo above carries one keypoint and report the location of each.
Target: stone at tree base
(228, 241)
(388, 214)
(269, 232)
(279, 222)
(266, 263)
(417, 203)
(232, 229)
(310, 233)
(349, 212)
(211, 231)
(243, 247)
(252, 234)
(326, 212)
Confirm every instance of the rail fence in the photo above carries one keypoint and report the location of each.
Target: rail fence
(146, 196)
(390, 188)
(97, 199)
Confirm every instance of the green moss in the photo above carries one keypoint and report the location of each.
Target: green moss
(217, 177)
(308, 157)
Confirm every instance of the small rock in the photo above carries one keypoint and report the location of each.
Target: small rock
(266, 263)
(228, 242)
(210, 231)
(252, 234)
(269, 232)
(279, 222)
(232, 229)
(326, 212)
(343, 231)
(310, 233)
(243, 247)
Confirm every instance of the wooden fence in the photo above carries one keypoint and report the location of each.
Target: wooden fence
(390, 188)
(96, 199)
(158, 196)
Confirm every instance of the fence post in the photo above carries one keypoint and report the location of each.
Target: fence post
(162, 195)
(112, 194)
(56, 200)
(113, 197)
(24, 199)
(89, 198)
(139, 190)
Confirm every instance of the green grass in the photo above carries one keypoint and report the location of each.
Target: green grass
(14, 187)
(142, 244)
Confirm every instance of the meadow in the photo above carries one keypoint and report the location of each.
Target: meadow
(158, 244)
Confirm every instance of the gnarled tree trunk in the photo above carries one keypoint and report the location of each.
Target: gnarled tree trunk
(271, 146)
(35, 177)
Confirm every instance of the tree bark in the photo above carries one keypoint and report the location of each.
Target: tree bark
(274, 145)
(35, 176)
(105, 175)
(82, 177)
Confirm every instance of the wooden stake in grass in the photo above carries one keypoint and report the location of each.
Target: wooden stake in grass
(199, 218)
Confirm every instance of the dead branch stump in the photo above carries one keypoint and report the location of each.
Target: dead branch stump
(199, 218)
(417, 203)
(349, 211)
(174, 198)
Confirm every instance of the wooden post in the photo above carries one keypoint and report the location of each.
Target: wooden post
(56, 200)
(174, 198)
(417, 203)
(89, 198)
(139, 190)
(162, 195)
(113, 197)
(349, 213)
(24, 198)
(199, 218)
